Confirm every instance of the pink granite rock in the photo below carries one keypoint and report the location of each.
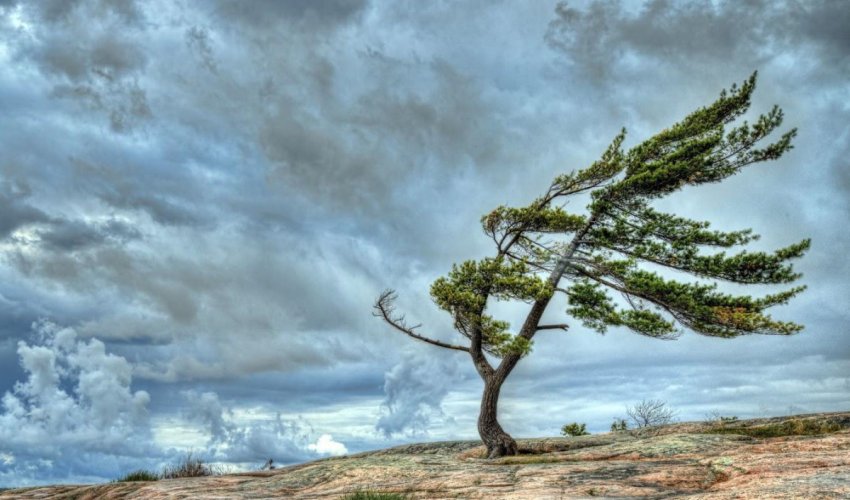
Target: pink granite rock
(806, 456)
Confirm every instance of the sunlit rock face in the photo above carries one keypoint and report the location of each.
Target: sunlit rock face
(787, 457)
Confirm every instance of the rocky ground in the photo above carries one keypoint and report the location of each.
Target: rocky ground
(805, 456)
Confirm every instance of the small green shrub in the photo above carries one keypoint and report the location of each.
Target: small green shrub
(139, 475)
(619, 425)
(574, 429)
(374, 495)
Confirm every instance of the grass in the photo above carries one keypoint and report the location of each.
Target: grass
(189, 466)
(374, 495)
(795, 427)
(139, 475)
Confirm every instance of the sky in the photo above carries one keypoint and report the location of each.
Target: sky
(200, 202)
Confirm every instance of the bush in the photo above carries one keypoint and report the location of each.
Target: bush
(716, 418)
(794, 427)
(650, 413)
(619, 425)
(374, 495)
(139, 475)
(574, 429)
(189, 467)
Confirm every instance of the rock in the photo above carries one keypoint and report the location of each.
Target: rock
(804, 456)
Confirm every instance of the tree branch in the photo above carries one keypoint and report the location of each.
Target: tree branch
(561, 326)
(532, 321)
(384, 309)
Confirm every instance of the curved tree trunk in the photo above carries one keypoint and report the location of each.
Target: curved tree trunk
(499, 443)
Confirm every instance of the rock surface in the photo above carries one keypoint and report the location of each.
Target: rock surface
(805, 456)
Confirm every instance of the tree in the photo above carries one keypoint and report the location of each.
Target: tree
(574, 429)
(619, 425)
(649, 413)
(619, 245)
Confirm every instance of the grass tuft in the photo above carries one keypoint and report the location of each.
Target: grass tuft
(374, 495)
(139, 475)
(189, 466)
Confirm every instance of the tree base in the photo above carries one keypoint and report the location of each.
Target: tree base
(502, 446)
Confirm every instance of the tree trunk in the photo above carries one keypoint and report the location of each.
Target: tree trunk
(499, 443)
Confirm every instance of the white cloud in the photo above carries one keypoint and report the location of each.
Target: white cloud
(257, 436)
(74, 409)
(327, 446)
(414, 390)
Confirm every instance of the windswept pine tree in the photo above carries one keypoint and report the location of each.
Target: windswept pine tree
(617, 247)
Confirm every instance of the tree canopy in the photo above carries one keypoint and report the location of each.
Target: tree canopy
(622, 245)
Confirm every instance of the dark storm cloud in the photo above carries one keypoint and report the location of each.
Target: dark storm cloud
(269, 14)
(15, 212)
(217, 193)
(65, 235)
(88, 52)
(604, 39)
(164, 188)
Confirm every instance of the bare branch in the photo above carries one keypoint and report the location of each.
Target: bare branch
(384, 309)
(561, 326)
(650, 413)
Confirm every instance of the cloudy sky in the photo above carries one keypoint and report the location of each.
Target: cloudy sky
(199, 202)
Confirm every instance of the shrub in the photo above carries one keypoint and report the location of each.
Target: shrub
(189, 466)
(139, 475)
(619, 425)
(650, 413)
(794, 427)
(716, 418)
(574, 429)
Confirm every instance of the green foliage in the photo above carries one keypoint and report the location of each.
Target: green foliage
(139, 475)
(574, 429)
(507, 220)
(615, 246)
(592, 305)
(619, 425)
(374, 495)
(464, 291)
(623, 263)
(603, 170)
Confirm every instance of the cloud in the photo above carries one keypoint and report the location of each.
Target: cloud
(269, 14)
(414, 390)
(75, 418)
(89, 53)
(284, 441)
(326, 445)
(217, 194)
(75, 415)
(16, 212)
(610, 41)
